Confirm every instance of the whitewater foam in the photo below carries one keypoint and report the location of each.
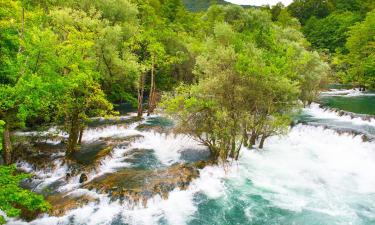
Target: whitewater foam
(316, 111)
(311, 171)
(346, 93)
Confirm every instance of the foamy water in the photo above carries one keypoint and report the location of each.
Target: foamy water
(316, 111)
(310, 176)
(346, 93)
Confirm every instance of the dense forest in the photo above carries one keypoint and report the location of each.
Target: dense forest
(229, 76)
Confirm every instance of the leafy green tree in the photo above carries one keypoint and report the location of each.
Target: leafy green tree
(251, 75)
(24, 94)
(361, 56)
(305, 9)
(81, 100)
(331, 32)
(82, 95)
(276, 10)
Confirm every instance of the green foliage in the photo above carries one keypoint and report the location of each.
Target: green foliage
(13, 198)
(251, 74)
(361, 56)
(330, 32)
(330, 27)
(202, 5)
(305, 9)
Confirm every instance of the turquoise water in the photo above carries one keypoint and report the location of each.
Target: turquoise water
(314, 175)
(358, 104)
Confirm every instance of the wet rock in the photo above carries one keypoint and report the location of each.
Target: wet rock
(137, 186)
(121, 120)
(83, 178)
(39, 155)
(365, 138)
(61, 203)
(149, 127)
(203, 163)
(27, 214)
(90, 153)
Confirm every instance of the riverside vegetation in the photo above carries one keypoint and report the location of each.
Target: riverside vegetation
(228, 76)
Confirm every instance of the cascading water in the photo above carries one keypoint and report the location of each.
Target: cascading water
(321, 172)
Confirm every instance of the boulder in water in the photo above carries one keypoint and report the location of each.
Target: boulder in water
(137, 186)
(62, 202)
(83, 178)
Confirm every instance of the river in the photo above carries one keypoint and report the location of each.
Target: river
(321, 172)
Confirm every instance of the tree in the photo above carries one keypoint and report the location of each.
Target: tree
(251, 75)
(24, 93)
(276, 10)
(82, 95)
(304, 9)
(361, 56)
(331, 32)
(81, 100)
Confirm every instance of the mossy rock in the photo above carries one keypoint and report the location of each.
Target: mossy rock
(62, 202)
(137, 186)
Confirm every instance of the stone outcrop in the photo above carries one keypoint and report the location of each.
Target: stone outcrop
(61, 203)
(137, 186)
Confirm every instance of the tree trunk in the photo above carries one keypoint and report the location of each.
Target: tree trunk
(245, 138)
(253, 138)
(80, 135)
(73, 135)
(7, 145)
(232, 153)
(261, 144)
(140, 95)
(151, 101)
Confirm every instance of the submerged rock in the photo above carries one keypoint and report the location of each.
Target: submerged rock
(40, 155)
(61, 203)
(91, 153)
(137, 186)
(83, 178)
(121, 120)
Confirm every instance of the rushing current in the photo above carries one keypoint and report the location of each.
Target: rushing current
(321, 172)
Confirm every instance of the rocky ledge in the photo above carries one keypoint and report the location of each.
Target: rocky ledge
(137, 186)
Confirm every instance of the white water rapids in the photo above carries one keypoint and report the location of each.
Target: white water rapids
(312, 175)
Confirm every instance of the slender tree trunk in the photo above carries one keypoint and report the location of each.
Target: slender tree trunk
(7, 145)
(73, 135)
(253, 138)
(245, 138)
(141, 89)
(151, 101)
(80, 135)
(232, 153)
(261, 144)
